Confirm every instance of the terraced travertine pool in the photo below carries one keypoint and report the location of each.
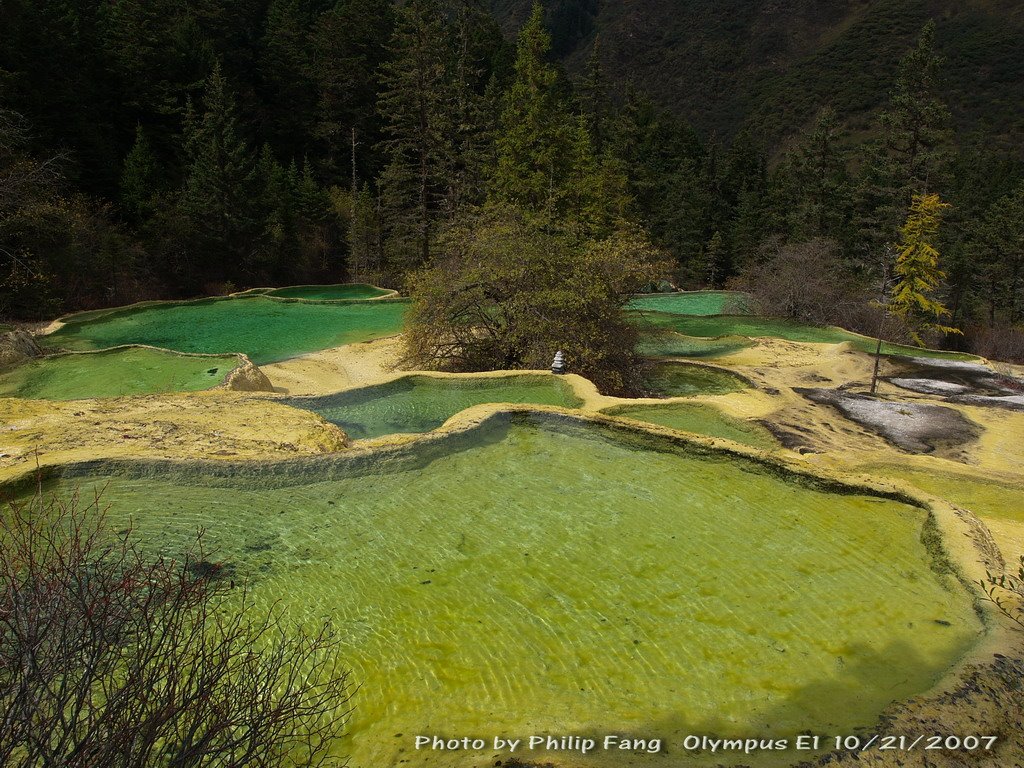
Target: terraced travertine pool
(672, 344)
(422, 403)
(693, 303)
(698, 418)
(791, 330)
(536, 575)
(675, 379)
(114, 373)
(265, 329)
(329, 292)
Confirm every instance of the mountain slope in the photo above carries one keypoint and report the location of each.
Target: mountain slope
(775, 62)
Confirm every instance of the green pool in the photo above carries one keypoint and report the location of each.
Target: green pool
(674, 379)
(791, 330)
(693, 303)
(265, 329)
(540, 576)
(329, 292)
(423, 403)
(701, 419)
(671, 344)
(987, 498)
(113, 373)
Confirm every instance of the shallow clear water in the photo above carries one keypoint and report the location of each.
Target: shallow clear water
(682, 379)
(548, 578)
(693, 303)
(701, 419)
(422, 403)
(987, 498)
(113, 374)
(264, 329)
(753, 327)
(670, 344)
(328, 292)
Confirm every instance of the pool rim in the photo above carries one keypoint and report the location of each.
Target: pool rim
(242, 363)
(962, 539)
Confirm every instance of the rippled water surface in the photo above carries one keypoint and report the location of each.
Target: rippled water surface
(265, 329)
(115, 373)
(329, 292)
(701, 419)
(694, 303)
(422, 403)
(539, 577)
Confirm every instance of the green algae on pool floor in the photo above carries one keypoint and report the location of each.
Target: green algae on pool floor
(675, 379)
(536, 577)
(329, 292)
(670, 344)
(422, 403)
(693, 303)
(267, 330)
(114, 373)
(781, 328)
(984, 497)
(698, 418)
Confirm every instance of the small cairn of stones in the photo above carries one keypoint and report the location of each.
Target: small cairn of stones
(558, 364)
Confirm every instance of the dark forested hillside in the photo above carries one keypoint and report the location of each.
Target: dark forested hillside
(723, 63)
(161, 148)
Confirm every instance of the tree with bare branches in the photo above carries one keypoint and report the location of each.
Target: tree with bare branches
(112, 659)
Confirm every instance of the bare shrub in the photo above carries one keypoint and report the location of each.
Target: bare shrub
(804, 281)
(1006, 592)
(1002, 342)
(109, 659)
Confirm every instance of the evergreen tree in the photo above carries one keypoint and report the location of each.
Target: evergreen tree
(916, 121)
(917, 275)
(910, 155)
(348, 44)
(545, 161)
(1000, 245)
(716, 261)
(474, 105)
(596, 101)
(415, 104)
(139, 178)
(749, 227)
(817, 182)
(285, 72)
(217, 199)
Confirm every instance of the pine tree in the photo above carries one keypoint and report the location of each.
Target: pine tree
(917, 275)
(545, 161)
(474, 111)
(999, 242)
(916, 121)
(818, 183)
(139, 178)
(416, 107)
(285, 74)
(715, 260)
(596, 100)
(218, 200)
(348, 45)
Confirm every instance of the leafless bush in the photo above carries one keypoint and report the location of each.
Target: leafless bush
(1006, 592)
(804, 281)
(1003, 342)
(110, 659)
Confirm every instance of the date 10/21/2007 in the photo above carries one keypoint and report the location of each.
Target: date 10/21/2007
(908, 743)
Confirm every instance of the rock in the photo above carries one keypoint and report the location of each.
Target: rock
(914, 427)
(17, 347)
(931, 386)
(247, 377)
